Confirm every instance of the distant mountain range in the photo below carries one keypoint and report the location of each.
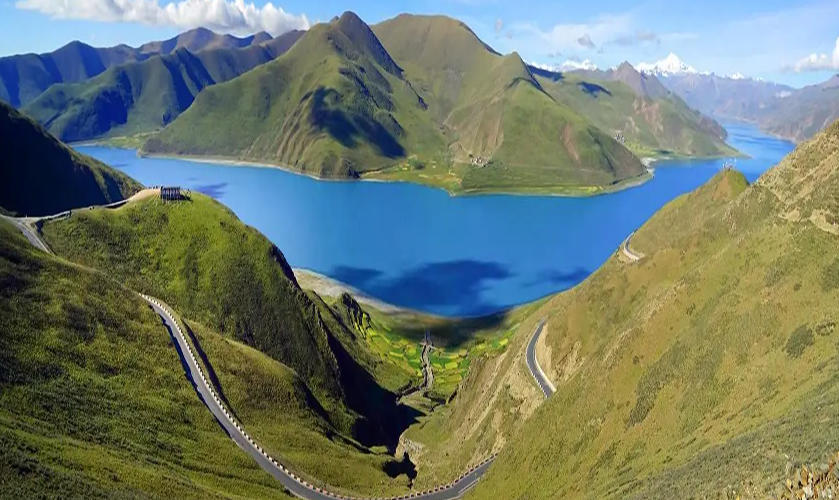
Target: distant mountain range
(24, 77)
(348, 100)
(145, 95)
(795, 114)
(416, 92)
(653, 120)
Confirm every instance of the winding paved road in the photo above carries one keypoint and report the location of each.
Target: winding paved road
(293, 483)
(627, 252)
(30, 233)
(288, 479)
(533, 364)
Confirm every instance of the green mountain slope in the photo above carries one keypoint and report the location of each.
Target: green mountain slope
(499, 120)
(94, 402)
(143, 96)
(338, 105)
(24, 77)
(40, 176)
(653, 121)
(335, 105)
(200, 259)
(704, 369)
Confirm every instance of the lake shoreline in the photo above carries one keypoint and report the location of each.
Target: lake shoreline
(423, 250)
(554, 191)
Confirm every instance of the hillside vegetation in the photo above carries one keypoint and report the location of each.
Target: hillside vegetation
(348, 101)
(144, 96)
(41, 176)
(707, 367)
(24, 77)
(335, 105)
(210, 267)
(94, 402)
(654, 121)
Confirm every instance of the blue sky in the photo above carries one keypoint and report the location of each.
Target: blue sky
(767, 38)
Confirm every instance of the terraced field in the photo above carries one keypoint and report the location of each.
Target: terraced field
(395, 339)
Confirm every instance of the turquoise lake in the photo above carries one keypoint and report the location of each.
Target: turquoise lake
(418, 247)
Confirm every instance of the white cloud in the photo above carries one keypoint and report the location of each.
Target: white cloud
(569, 65)
(567, 37)
(220, 15)
(818, 62)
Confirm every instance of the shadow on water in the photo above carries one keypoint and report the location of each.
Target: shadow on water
(212, 190)
(456, 285)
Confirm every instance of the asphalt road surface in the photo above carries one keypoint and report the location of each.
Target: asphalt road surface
(626, 251)
(30, 233)
(288, 479)
(532, 364)
(292, 483)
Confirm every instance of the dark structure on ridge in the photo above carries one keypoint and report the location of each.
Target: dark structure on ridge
(170, 193)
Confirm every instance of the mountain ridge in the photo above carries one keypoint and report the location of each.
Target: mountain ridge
(24, 77)
(696, 370)
(140, 97)
(41, 176)
(396, 109)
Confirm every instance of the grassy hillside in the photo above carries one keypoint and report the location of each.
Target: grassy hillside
(24, 77)
(40, 176)
(704, 369)
(338, 105)
(653, 121)
(94, 402)
(335, 105)
(198, 257)
(144, 96)
(505, 132)
(257, 388)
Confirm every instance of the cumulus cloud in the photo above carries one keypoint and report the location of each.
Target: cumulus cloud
(573, 63)
(219, 15)
(499, 25)
(585, 41)
(640, 36)
(570, 37)
(818, 62)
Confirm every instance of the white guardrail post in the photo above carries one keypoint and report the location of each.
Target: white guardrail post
(258, 448)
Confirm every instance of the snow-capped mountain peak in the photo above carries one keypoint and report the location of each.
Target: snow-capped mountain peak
(737, 76)
(670, 65)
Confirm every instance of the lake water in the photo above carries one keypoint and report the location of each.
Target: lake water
(418, 247)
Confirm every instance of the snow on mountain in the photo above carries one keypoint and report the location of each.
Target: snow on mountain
(673, 66)
(670, 65)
